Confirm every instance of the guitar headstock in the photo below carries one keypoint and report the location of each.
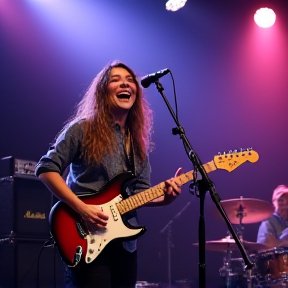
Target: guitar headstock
(234, 158)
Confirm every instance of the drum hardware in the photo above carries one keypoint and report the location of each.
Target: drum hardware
(242, 211)
(233, 269)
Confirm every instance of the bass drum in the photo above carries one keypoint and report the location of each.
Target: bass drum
(272, 268)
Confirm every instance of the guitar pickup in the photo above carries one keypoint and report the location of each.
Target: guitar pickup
(114, 213)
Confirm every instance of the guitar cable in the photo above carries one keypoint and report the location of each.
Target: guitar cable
(48, 243)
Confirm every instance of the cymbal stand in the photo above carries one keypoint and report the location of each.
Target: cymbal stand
(226, 269)
(170, 244)
(227, 263)
(240, 228)
(240, 213)
(240, 231)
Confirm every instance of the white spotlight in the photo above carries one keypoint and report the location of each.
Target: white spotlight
(265, 17)
(174, 5)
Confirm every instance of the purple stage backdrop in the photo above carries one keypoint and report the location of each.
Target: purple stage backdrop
(232, 93)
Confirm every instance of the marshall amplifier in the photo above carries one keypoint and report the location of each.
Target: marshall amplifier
(25, 205)
(28, 264)
(11, 166)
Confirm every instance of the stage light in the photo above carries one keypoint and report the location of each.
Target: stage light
(174, 5)
(265, 17)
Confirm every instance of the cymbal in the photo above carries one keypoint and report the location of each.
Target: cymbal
(252, 210)
(225, 244)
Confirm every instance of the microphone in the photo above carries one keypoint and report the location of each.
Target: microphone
(151, 78)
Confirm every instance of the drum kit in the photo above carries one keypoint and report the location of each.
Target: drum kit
(270, 269)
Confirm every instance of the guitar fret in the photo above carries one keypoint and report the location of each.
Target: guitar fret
(125, 206)
(145, 196)
(139, 198)
(154, 193)
(134, 203)
(159, 191)
(129, 203)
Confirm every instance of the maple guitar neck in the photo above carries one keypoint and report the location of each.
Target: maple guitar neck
(140, 199)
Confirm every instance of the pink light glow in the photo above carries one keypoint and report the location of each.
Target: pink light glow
(265, 17)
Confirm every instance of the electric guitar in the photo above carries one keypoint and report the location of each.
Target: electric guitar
(76, 241)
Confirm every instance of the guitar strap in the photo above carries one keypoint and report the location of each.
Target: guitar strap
(130, 152)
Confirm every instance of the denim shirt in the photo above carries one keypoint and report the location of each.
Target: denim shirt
(83, 178)
(274, 225)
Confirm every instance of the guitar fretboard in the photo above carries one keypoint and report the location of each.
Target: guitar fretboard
(140, 199)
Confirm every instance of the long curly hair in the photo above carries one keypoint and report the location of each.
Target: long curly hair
(99, 133)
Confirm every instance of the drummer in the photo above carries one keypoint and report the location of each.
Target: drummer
(273, 232)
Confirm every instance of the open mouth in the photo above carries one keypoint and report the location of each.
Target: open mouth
(124, 95)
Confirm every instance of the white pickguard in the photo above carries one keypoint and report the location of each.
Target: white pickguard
(99, 238)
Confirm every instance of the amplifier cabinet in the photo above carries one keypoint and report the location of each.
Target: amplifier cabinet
(25, 205)
(27, 264)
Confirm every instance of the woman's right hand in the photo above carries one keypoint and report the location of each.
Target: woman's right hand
(93, 215)
(90, 213)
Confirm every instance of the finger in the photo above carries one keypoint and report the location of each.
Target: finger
(101, 222)
(173, 187)
(101, 226)
(176, 185)
(176, 191)
(179, 172)
(102, 216)
(92, 225)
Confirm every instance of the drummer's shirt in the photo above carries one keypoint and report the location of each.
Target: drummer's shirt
(274, 225)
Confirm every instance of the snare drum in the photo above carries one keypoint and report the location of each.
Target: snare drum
(272, 265)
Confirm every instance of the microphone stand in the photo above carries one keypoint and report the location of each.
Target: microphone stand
(168, 227)
(204, 184)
